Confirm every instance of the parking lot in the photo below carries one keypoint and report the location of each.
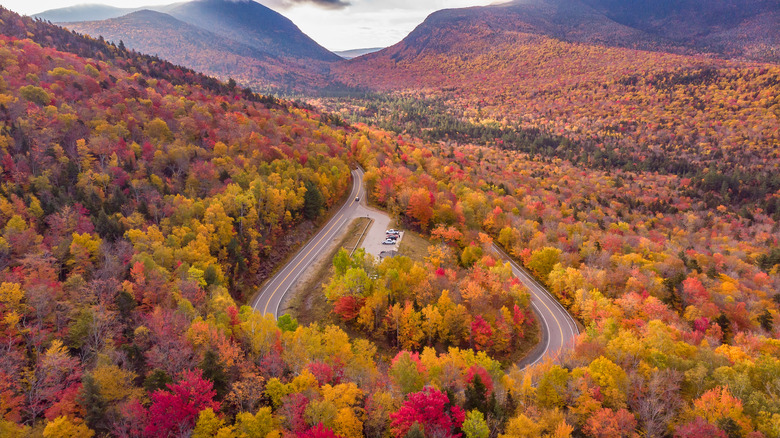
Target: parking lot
(376, 235)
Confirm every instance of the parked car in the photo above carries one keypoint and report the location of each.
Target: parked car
(388, 242)
(392, 231)
(392, 237)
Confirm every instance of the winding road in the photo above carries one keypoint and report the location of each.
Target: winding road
(272, 294)
(558, 328)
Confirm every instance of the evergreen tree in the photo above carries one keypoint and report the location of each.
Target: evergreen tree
(766, 320)
(476, 395)
(213, 371)
(93, 403)
(313, 201)
(157, 379)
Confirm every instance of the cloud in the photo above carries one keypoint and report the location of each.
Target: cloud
(327, 4)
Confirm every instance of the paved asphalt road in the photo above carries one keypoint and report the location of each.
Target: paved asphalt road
(558, 328)
(272, 294)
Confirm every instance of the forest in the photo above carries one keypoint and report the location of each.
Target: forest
(710, 120)
(141, 204)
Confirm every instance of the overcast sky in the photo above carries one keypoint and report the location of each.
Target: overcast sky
(335, 24)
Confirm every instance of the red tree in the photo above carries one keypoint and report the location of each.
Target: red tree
(319, 431)
(481, 334)
(348, 307)
(699, 428)
(175, 411)
(430, 408)
(484, 376)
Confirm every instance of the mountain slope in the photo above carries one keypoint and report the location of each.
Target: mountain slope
(86, 12)
(163, 35)
(568, 20)
(619, 107)
(690, 27)
(733, 28)
(254, 25)
(138, 199)
(243, 40)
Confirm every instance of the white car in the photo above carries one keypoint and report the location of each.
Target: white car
(392, 231)
(388, 242)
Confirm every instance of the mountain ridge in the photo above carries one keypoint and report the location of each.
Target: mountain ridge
(252, 24)
(590, 22)
(245, 41)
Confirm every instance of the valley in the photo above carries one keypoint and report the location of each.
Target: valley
(586, 192)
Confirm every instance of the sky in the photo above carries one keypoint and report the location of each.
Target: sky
(335, 24)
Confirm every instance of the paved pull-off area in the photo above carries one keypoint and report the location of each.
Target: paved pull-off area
(558, 328)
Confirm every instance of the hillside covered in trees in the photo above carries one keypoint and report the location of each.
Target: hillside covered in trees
(714, 121)
(141, 203)
(140, 210)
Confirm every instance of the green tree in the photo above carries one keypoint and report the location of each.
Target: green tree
(766, 320)
(215, 372)
(313, 201)
(416, 431)
(475, 425)
(93, 402)
(341, 261)
(287, 323)
(470, 255)
(35, 94)
(157, 379)
(476, 395)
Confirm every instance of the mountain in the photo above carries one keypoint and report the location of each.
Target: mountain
(540, 66)
(243, 40)
(568, 20)
(354, 53)
(87, 12)
(734, 28)
(730, 28)
(250, 23)
(165, 36)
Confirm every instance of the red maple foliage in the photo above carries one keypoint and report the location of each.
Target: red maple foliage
(175, 411)
(318, 431)
(481, 333)
(432, 410)
(348, 307)
(476, 370)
